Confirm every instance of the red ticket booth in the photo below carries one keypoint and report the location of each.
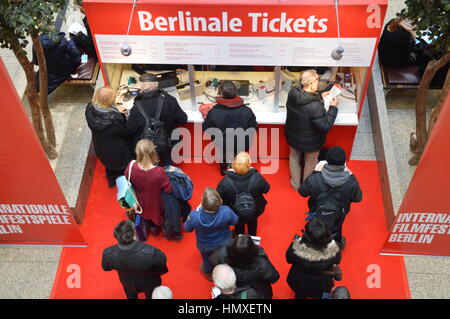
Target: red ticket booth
(258, 44)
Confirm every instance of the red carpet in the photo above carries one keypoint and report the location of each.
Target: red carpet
(365, 230)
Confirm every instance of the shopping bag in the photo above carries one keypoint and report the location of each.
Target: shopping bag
(126, 196)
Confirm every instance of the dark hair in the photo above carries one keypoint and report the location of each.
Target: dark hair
(340, 292)
(242, 252)
(211, 200)
(124, 232)
(227, 89)
(316, 234)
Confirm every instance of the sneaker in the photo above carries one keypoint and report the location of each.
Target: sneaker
(208, 275)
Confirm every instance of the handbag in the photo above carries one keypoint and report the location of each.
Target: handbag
(126, 196)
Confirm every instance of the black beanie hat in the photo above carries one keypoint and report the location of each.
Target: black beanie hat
(335, 156)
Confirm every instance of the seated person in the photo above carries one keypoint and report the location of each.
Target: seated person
(230, 112)
(251, 265)
(225, 279)
(397, 46)
(61, 56)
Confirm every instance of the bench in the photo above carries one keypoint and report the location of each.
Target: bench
(87, 74)
(400, 78)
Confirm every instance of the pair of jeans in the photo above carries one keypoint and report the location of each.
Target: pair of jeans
(301, 165)
(145, 227)
(207, 265)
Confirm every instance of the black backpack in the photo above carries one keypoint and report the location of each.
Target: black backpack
(244, 203)
(329, 207)
(154, 129)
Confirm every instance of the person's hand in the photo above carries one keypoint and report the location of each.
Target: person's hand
(121, 108)
(334, 101)
(325, 93)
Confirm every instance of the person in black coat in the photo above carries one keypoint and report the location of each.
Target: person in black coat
(110, 135)
(62, 58)
(313, 258)
(307, 123)
(333, 175)
(171, 113)
(140, 266)
(251, 265)
(242, 177)
(230, 113)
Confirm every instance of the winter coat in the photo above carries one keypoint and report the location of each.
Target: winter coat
(260, 275)
(305, 276)
(322, 181)
(241, 293)
(231, 113)
(307, 122)
(212, 229)
(395, 47)
(253, 182)
(172, 214)
(171, 113)
(62, 58)
(110, 136)
(139, 265)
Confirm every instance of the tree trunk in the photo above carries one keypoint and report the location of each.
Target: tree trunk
(437, 110)
(43, 91)
(421, 101)
(32, 96)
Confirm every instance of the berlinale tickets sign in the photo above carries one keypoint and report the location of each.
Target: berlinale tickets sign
(33, 209)
(422, 226)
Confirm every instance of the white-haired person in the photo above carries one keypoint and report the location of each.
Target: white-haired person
(225, 280)
(162, 292)
(307, 123)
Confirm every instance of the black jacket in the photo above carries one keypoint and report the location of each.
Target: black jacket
(319, 182)
(171, 113)
(139, 265)
(305, 276)
(260, 275)
(241, 293)
(395, 47)
(62, 58)
(111, 137)
(231, 116)
(307, 122)
(252, 182)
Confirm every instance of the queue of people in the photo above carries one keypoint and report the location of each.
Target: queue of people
(225, 222)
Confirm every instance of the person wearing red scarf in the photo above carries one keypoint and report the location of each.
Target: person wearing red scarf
(230, 113)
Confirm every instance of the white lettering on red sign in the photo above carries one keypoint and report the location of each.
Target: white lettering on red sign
(260, 22)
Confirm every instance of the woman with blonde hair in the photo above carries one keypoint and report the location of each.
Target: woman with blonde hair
(148, 180)
(110, 135)
(242, 189)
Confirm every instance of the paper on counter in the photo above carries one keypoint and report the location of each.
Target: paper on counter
(334, 92)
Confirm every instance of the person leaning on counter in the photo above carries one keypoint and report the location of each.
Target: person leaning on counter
(307, 123)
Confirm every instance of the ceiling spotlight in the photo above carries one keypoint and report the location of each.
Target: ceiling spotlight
(337, 53)
(125, 48)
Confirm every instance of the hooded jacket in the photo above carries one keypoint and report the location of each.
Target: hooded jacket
(139, 265)
(252, 182)
(395, 47)
(61, 56)
(260, 275)
(212, 229)
(307, 122)
(331, 176)
(171, 113)
(305, 276)
(110, 136)
(231, 113)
